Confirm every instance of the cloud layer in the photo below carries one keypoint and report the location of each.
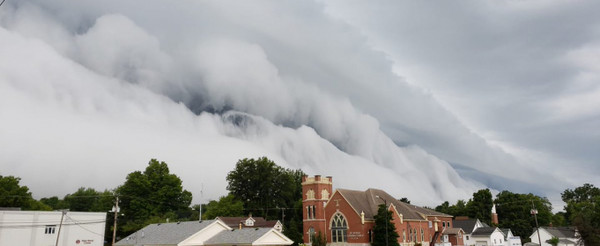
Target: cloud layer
(92, 91)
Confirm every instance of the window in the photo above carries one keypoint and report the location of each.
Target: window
(310, 194)
(403, 235)
(311, 234)
(467, 237)
(370, 236)
(50, 229)
(339, 229)
(314, 211)
(324, 194)
(308, 213)
(422, 235)
(249, 222)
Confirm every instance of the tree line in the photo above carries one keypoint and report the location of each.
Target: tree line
(262, 188)
(256, 186)
(582, 210)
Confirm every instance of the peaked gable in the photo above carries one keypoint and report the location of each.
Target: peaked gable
(273, 237)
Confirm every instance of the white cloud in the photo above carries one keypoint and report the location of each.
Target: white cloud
(106, 86)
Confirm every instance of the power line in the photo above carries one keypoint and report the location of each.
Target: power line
(2, 2)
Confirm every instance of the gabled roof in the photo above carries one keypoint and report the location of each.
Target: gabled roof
(167, 233)
(561, 232)
(467, 225)
(484, 231)
(367, 202)
(247, 236)
(237, 237)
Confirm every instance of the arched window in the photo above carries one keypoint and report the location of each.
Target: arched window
(339, 229)
(414, 235)
(403, 235)
(311, 234)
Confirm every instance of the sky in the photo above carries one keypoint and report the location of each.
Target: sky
(427, 100)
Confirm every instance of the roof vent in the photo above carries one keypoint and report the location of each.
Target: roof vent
(256, 229)
(178, 222)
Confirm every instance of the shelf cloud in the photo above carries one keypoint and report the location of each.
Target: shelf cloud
(90, 91)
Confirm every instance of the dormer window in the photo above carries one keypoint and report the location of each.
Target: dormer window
(249, 222)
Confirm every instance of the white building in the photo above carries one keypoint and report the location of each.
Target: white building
(41, 228)
(509, 238)
(204, 233)
(487, 236)
(567, 236)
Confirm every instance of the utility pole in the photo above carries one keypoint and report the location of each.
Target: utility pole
(537, 227)
(116, 211)
(60, 226)
(201, 193)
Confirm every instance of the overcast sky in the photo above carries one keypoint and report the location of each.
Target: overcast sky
(427, 100)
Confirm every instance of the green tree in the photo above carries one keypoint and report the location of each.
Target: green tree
(514, 211)
(480, 206)
(89, 200)
(262, 186)
(318, 239)
(583, 211)
(553, 241)
(269, 191)
(383, 224)
(54, 203)
(404, 200)
(227, 206)
(12, 194)
(559, 219)
(151, 196)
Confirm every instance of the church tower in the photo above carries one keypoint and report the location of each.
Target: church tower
(315, 193)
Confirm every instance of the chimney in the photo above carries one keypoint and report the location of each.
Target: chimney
(240, 225)
(317, 177)
(330, 179)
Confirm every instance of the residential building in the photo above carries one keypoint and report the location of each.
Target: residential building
(251, 222)
(347, 216)
(45, 227)
(510, 238)
(567, 236)
(204, 233)
(468, 226)
(488, 236)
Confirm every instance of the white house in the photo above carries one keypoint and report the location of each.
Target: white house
(488, 236)
(510, 239)
(468, 226)
(203, 233)
(567, 236)
(35, 228)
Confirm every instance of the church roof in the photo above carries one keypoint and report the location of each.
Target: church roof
(367, 202)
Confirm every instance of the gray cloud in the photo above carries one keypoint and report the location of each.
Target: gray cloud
(204, 84)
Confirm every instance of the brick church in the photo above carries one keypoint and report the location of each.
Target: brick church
(347, 216)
